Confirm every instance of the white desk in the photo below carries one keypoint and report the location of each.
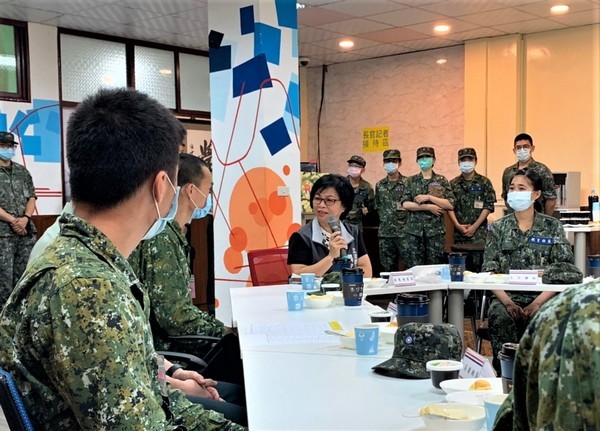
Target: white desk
(456, 296)
(291, 391)
(579, 243)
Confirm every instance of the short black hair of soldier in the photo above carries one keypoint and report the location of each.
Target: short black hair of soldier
(341, 185)
(191, 170)
(533, 176)
(117, 139)
(523, 137)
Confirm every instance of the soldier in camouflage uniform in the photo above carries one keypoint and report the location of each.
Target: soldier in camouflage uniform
(523, 147)
(364, 196)
(427, 196)
(163, 266)
(392, 216)
(17, 203)
(74, 333)
(557, 367)
(512, 247)
(474, 201)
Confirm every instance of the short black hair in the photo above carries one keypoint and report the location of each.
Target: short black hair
(116, 140)
(341, 185)
(190, 170)
(533, 176)
(523, 137)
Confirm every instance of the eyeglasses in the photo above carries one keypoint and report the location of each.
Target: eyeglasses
(328, 201)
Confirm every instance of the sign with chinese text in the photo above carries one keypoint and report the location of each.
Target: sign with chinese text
(375, 139)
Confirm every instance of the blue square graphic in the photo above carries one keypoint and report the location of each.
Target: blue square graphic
(32, 145)
(287, 15)
(219, 58)
(276, 136)
(267, 40)
(294, 99)
(250, 75)
(247, 20)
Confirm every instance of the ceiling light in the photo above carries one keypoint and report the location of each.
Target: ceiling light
(346, 43)
(441, 28)
(300, 6)
(559, 8)
(441, 61)
(165, 72)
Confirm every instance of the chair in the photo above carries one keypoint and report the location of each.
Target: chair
(12, 404)
(269, 266)
(482, 333)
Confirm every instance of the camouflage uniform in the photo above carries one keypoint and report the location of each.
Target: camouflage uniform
(557, 367)
(75, 336)
(364, 196)
(16, 188)
(472, 197)
(162, 265)
(510, 248)
(548, 188)
(392, 222)
(426, 231)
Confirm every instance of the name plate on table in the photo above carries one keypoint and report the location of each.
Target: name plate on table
(523, 276)
(403, 278)
(475, 366)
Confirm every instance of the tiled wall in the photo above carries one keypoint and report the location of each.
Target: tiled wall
(420, 100)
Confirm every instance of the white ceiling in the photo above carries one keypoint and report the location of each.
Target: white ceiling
(377, 27)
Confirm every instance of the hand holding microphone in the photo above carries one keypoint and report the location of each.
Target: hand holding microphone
(337, 241)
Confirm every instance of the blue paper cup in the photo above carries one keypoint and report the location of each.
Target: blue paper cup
(308, 281)
(295, 300)
(492, 404)
(367, 339)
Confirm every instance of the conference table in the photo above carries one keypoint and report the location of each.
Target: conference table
(319, 384)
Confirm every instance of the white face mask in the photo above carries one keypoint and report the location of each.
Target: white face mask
(390, 167)
(160, 223)
(354, 172)
(466, 167)
(519, 201)
(523, 154)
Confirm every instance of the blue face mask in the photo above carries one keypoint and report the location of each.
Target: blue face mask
(466, 167)
(425, 163)
(390, 167)
(202, 212)
(161, 222)
(7, 153)
(519, 201)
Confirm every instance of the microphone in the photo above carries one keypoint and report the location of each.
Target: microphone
(334, 225)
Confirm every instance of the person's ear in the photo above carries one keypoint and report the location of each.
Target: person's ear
(160, 186)
(535, 195)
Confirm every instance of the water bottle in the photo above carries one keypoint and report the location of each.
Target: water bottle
(592, 198)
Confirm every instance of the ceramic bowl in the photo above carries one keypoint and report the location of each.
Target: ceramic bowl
(474, 422)
(314, 301)
(348, 342)
(338, 298)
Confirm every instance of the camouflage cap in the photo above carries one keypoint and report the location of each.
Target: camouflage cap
(417, 343)
(7, 138)
(391, 154)
(358, 160)
(425, 152)
(562, 273)
(466, 152)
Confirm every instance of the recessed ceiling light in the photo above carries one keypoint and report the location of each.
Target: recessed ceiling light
(441, 61)
(300, 6)
(559, 8)
(441, 28)
(346, 43)
(165, 72)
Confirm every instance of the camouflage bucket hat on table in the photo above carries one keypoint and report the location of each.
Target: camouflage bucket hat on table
(466, 152)
(425, 152)
(391, 154)
(358, 160)
(417, 343)
(562, 273)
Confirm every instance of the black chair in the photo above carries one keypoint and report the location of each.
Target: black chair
(12, 404)
(483, 333)
(187, 360)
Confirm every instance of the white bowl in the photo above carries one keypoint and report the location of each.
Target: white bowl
(315, 301)
(338, 297)
(374, 282)
(476, 421)
(458, 385)
(348, 342)
(497, 279)
(474, 398)
(387, 332)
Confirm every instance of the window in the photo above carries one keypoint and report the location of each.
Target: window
(14, 61)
